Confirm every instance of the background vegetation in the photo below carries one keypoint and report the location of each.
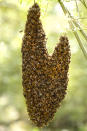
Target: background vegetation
(72, 115)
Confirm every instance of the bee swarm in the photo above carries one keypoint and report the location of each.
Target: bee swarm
(44, 77)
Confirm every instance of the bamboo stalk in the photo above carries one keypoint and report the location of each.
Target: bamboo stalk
(78, 26)
(79, 40)
(77, 8)
(84, 3)
(65, 10)
(74, 21)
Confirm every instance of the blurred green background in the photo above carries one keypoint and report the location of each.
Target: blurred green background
(72, 115)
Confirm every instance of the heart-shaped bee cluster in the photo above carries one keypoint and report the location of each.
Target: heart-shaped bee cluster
(44, 77)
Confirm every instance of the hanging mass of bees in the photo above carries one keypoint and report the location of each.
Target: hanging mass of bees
(44, 77)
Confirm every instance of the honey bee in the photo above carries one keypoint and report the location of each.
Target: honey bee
(44, 77)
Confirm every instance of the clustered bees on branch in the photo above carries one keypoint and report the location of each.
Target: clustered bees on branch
(44, 77)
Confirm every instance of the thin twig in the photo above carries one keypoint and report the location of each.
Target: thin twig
(74, 21)
(65, 10)
(84, 3)
(78, 26)
(77, 8)
(79, 40)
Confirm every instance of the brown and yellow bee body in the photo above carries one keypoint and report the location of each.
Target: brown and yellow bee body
(44, 77)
